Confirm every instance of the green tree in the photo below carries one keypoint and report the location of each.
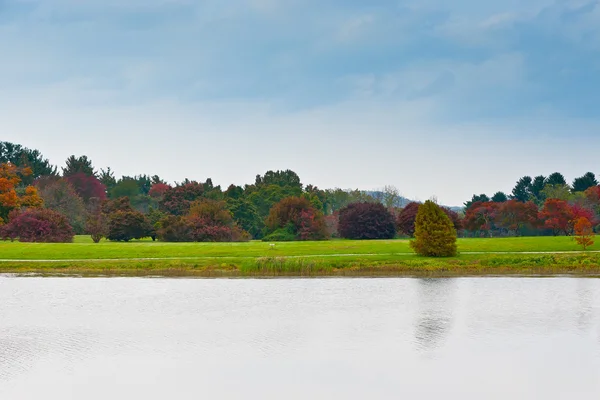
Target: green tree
(499, 197)
(287, 178)
(556, 178)
(482, 198)
(107, 178)
(522, 190)
(435, 235)
(538, 184)
(584, 182)
(76, 165)
(560, 192)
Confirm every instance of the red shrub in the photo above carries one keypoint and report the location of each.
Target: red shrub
(406, 219)
(38, 225)
(298, 217)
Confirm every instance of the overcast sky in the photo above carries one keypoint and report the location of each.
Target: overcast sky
(438, 98)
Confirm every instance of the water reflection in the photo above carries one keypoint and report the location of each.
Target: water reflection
(434, 312)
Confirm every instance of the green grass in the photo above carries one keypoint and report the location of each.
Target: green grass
(335, 257)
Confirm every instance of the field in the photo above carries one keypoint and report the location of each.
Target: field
(529, 255)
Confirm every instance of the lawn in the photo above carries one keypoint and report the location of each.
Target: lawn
(334, 257)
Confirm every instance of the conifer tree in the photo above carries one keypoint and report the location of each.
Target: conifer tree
(435, 235)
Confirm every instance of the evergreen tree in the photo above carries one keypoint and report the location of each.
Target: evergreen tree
(435, 235)
(556, 178)
(76, 165)
(522, 190)
(584, 182)
(499, 197)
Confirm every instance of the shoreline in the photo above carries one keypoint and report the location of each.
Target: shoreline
(547, 264)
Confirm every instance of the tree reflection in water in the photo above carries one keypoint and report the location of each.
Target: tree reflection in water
(435, 305)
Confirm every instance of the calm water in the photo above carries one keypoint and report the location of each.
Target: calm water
(469, 338)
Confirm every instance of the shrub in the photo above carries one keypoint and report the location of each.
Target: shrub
(435, 235)
(124, 226)
(281, 235)
(366, 221)
(38, 225)
(298, 216)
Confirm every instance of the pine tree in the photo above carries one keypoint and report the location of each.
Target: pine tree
(435, 235)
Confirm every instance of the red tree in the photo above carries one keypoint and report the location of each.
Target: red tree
(177, 200)
(87, 187)
(514, 215)
(406, 219)
(557, 215)
(366, 221)
(158, 190)
(297, 217)
(584, 232)
(480, 217)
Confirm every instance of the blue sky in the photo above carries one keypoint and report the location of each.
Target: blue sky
(437, 98)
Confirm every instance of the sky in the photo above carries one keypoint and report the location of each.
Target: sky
(440, 99)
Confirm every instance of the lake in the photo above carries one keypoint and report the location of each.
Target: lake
(460, 338)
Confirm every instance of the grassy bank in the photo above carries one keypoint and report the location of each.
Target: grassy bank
(331, 258)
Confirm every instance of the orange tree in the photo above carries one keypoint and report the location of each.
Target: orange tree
(11, 198)
(584, 232)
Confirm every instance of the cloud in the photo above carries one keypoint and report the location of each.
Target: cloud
(372, 88)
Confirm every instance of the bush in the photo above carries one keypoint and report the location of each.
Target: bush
(297, 215)
(366, 221)
(435, 235)
(124, 226)
(38, 225)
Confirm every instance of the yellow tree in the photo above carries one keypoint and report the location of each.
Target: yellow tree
(10, 199)
(584, 234)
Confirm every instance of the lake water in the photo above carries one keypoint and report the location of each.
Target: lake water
(464, 338)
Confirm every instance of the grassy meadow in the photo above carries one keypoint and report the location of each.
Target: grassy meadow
(561, 255)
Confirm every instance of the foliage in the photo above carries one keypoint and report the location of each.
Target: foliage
(336, 199)
(482, 198)
(107, 178)
(499, 197)
(157, 191)
(435, 235)
(246, 216)
(300, 216)
(78, 165)
(24, 158)
(97, 225)
(514, 215)
(558, 191)
(406, 219)
(124, 226)
(10, 199)
(584, 232)
(287, 178)
(522, 190)
(88, 187)
(480, 217)
(584, 182)
(366, 221)
(177, 200)
(125, 187)
(38, 225)
(60, 196)
(556, 178)
(557, 215)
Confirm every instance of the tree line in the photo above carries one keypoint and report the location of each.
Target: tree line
(39, 202)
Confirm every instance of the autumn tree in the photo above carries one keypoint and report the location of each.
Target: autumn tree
(294, 218)
(366, 221)
(60, 196)
(514, 216)
(177, 200)
(557, 215)
(10, 198)
(406, 219)
(480, 217)
(24, 158)
(435, 235)
(584, 233)
(88, 187)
